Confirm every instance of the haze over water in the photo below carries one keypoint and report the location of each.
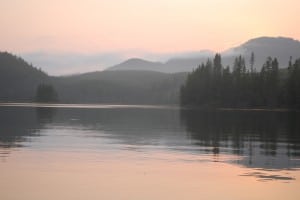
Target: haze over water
(136, 152)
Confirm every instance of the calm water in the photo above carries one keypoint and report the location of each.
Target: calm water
(135, 152)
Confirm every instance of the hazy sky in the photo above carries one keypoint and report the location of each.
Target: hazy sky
(133, 26)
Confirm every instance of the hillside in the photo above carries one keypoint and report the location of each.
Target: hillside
(124, 87)
(18, 79)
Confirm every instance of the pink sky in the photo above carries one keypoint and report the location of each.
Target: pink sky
(159, 26)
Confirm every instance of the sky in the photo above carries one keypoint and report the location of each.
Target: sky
(114, 30)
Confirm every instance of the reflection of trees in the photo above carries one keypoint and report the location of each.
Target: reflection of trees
(249, 133)
(17, 123)
(45, 114)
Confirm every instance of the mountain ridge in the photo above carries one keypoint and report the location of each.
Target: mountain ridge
(281, 47)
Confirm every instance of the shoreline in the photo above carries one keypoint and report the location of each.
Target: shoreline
(141, 106)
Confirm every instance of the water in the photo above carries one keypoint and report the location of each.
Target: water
(147, 152)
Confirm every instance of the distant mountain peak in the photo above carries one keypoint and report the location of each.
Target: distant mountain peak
(272, 43)
(271, 39)
(136, 64)
(280, 47)
(137, 61)
(265, 42)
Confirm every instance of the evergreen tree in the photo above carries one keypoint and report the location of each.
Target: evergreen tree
(252, 60)
(270, 82)
(293, 85)
(212, 85)
(46, 94)
(217, 65)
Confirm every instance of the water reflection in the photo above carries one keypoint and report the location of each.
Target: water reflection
(16, 124)
(266, 140)
(267, 177)
(263, 139)
(45, 115)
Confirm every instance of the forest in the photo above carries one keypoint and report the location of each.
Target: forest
(242, 86)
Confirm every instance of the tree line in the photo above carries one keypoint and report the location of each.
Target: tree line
(212, 85)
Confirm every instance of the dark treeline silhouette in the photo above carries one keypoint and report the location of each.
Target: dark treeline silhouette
(46, 94)
(212, 85)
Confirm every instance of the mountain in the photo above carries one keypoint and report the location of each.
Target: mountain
(18, 79)
(138, 64)
(263, 47)
(280, 47)
(184, 63)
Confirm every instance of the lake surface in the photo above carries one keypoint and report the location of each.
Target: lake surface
(147, 152)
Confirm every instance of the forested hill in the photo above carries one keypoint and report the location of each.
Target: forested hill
(18, 79)
(121, 87)
(19, 82)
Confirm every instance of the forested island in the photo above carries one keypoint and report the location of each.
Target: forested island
(212, 85)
